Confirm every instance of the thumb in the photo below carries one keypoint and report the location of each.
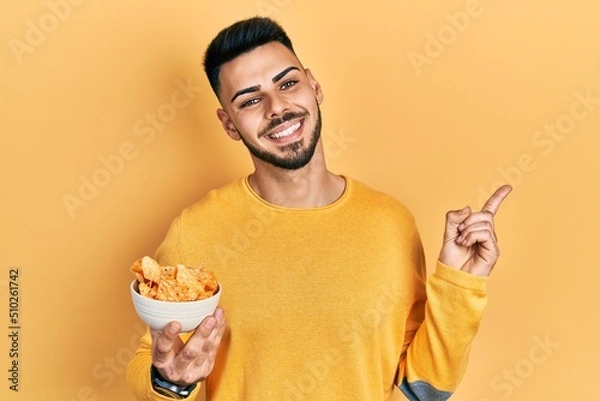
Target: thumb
(453, 220)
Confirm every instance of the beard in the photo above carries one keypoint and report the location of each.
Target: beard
(296, 154)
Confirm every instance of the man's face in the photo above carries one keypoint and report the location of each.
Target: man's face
(271, 103)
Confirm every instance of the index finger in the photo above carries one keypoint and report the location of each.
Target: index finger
(166, 343)
(496, 199)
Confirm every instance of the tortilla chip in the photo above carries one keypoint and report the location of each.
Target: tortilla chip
(173, 283)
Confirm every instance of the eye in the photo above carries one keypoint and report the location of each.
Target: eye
(250, 102)
(288, 84)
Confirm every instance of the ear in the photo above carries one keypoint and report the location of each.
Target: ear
(315, 85)
(228, 125)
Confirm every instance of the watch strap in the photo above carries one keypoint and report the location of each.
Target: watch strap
(168, 389)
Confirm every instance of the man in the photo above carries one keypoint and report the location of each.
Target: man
(323, 278)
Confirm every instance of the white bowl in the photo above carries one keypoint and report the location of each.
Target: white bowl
(157, 314)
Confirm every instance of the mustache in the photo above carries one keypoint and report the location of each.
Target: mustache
(281, 120)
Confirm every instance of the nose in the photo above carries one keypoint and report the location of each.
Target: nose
(277, 105)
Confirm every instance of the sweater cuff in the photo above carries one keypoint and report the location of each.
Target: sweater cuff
(460, 278)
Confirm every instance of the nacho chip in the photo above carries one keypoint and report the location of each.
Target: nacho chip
(168, 290)
(136, 268)
(151, 269)
(173, 283)
(144, 289)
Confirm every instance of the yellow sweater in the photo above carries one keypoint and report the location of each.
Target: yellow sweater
(325, 303)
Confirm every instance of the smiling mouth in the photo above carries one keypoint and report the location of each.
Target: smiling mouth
(286, 132)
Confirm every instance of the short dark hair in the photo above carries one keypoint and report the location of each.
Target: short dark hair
(237, 39)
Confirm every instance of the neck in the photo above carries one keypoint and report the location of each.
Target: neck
(310, 186)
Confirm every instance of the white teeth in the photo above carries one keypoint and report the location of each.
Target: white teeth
(286, 132)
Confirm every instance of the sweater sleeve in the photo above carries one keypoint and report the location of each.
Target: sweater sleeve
(436, 359)
(138, 369)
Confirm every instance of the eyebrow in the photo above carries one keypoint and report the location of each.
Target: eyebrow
(256, 88)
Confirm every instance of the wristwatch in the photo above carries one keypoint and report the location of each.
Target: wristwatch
(168, 389)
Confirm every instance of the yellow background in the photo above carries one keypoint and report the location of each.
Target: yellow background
(436, 134)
